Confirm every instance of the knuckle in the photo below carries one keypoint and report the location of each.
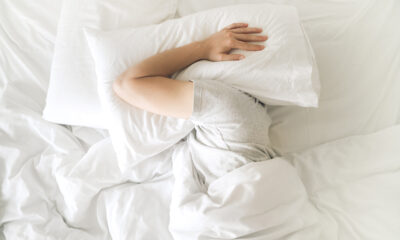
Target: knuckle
(230, 42)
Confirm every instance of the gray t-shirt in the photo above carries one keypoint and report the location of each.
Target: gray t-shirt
(231, 129)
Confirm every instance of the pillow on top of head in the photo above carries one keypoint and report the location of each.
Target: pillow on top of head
(282, 73)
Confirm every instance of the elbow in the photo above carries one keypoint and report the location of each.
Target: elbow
(117, 86)
(125, 82)
(122, 85)
(127, 88)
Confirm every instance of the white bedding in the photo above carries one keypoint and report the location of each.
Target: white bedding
(59, 182)
(60, 192)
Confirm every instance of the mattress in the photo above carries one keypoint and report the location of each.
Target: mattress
(62, 182)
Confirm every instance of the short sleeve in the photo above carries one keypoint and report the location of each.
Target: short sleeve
(219, 104)
(223, 111)
(212, 102)
(197, 101)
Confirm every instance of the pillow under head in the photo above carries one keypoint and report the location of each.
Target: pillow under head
(72, 94)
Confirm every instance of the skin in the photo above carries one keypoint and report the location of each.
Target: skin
(147, 85)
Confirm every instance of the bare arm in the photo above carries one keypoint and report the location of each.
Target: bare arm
(147, 85)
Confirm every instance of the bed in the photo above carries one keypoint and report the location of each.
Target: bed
(62, 181)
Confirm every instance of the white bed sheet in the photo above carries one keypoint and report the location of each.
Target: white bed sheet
(59, 182)
(59, 191)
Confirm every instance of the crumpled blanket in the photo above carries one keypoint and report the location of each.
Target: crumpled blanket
(260, 200)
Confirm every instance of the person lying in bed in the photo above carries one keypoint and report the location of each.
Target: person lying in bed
(229, 124)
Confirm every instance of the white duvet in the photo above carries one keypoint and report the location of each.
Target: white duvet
(347, 189)
(59, 182)
(260, 200)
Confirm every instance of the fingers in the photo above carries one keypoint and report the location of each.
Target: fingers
(247, 30)
(250, 38)
(248, 46)
(231, 57)
(241, 34)
(236, 25)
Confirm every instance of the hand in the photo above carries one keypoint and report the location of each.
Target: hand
(234, 36)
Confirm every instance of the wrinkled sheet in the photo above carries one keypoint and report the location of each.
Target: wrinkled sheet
(259, 200)
(346, 189)
(59, 182)
(355, 185)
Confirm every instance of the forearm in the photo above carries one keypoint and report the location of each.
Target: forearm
(147, 84)
(168, 62)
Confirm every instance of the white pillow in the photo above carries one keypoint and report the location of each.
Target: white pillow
(280, 74)
(188, 7)
(72, 95)
(138, 134)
